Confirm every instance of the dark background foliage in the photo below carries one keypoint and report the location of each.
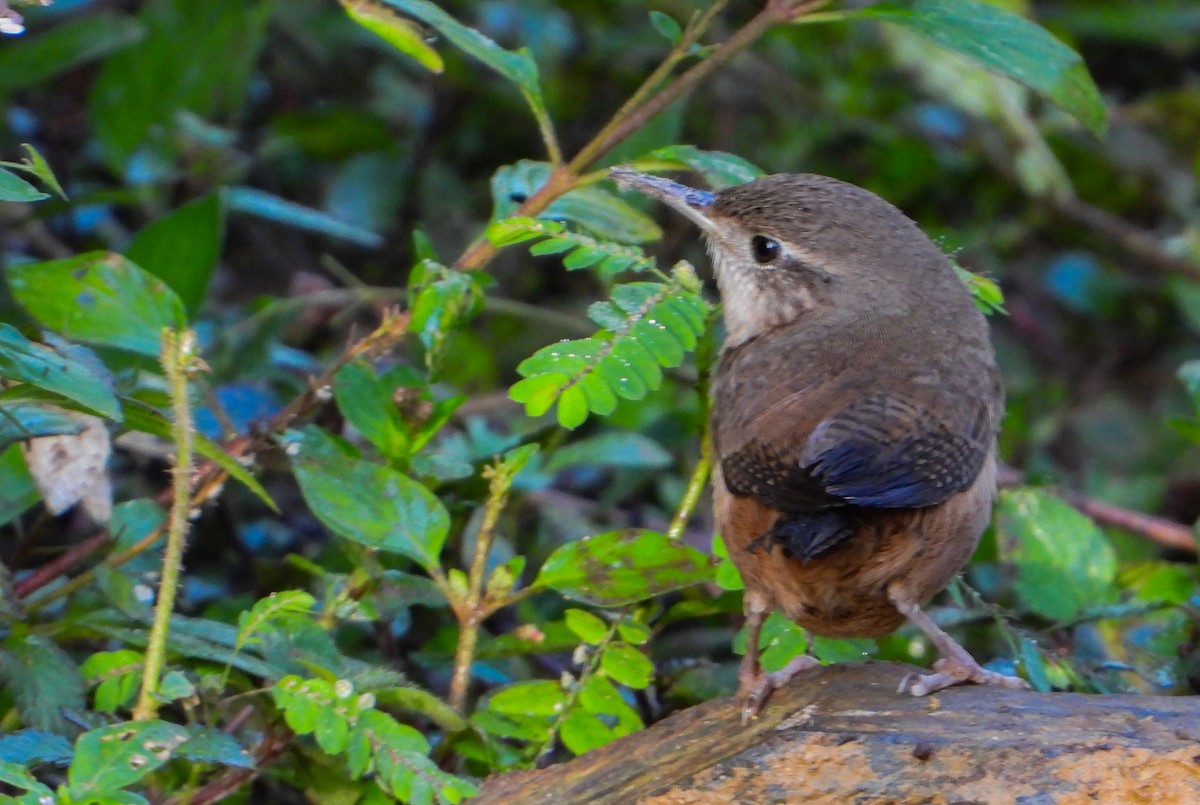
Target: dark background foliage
(299, 171)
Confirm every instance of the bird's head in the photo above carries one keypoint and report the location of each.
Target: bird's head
(801, 245)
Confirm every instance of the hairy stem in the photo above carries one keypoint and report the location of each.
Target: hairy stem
(178, 360)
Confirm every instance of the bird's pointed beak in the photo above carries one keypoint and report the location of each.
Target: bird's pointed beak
(695, 204)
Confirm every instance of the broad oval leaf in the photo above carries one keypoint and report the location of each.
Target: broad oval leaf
(118, 755)
(537, 698)
(1064, 563)
(41, 366)
(1005, 43)
(368, 503)
(182, 247)
(622, 567)
(98, 297)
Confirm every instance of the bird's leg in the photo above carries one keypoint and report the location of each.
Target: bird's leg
(753, 684)
(956, 667)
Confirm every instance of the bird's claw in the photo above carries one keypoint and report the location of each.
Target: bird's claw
(755, 689)
(948, 673)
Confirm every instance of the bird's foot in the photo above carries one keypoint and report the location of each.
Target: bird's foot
(957, 671)
(755, 686)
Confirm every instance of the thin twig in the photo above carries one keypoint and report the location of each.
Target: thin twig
(691, 495)
(564, 178)
(474, 609)
(61, 564)
(1140, 244)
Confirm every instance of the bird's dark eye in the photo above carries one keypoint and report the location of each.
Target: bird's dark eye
(765, 249)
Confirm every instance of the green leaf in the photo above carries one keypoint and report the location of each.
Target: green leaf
(984, 290)
(572, 407)
(41, 366)
(17, 490)
(211, 745)
(36, 165)
(116, 675)
(367, 404)
(598, 695)
(265, 610)
(781, 640)
(517, 66)
(31, 60)
(669, 28)
(42, 680)
(16, 775)
(20, 420)
(537, 698)
(368, 503)
(622, 567)
(14, 188)
(627, 665)
(98, 297)
(652, 324)
(718, 168)
(174, 686)
(182, 247)
(318, 707)
(444, 301)
(601, 212)
(586, 626)
(195, 57)
(252, 201)
(398, 32)
(142, 418)
(33, 748)
(633, 631)
(582, 731)
(726, 575)
(118, 755)
(616, 449)
(1064, 563)
(421, 702)
(1005, 43)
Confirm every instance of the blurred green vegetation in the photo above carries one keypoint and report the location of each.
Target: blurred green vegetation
(393, 596)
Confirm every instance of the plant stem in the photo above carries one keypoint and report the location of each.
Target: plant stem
(472, 611)
(691, 495)
(589, 669)
(178, 360)
(211, 477)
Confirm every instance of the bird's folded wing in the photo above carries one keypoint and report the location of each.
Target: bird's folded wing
(884, 450)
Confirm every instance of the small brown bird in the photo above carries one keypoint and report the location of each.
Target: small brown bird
(854, 414)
